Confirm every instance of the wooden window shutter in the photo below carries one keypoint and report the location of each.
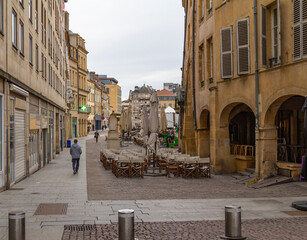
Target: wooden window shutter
(278, 32)
(296, 29)
(243, 46)
(226, 53)
(304, 27)
(263, 30)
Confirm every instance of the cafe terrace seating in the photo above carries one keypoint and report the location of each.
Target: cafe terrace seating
(134, 163)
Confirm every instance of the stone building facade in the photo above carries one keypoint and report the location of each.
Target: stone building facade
(114, 92)
(32, 87)
(239, 111)
(166, 99)
(78, 112)
(139, 97)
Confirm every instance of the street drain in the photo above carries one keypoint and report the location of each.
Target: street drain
(19, 189)
(35, 193)
(80, 228)
(51, 209)
(295, 213)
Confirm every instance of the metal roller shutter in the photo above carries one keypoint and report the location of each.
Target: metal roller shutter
(20, 150)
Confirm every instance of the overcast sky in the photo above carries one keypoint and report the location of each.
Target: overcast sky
(136, 41)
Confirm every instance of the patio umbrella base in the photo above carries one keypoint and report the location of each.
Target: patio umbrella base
(233, 238)
(300, 205)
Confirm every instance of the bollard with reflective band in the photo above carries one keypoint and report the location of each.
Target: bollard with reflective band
(126, 224)
(233, 223)
(17, 230)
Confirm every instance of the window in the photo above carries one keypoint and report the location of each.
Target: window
(159, 105)
(201, 64)
(170, 105)
(1, 16)
(164, 105)
(21, 37)
(36, 57)
(243, 55)
(263, 31)
(42, 69)
(14, 28)
(36, 16)
(30, 50)
(270, 16)
(30, 10)
(202, 10)
(226, 53)
(299, 29)
(210, 59)
(209, 6)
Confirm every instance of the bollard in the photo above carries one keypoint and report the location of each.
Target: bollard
(126, 224)
(17, 230)
(233, 223)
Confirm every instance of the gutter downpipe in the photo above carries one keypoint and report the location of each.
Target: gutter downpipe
(183, 68)
(193, 65)
(257, 152)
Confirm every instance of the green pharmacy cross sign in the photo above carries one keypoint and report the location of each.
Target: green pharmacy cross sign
(83, 108)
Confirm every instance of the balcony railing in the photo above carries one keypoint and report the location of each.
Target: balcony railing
(242, 150)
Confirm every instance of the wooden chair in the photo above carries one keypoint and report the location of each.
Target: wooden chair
(137, 168)
(204, 166)
(123, 168)
(162, 164)
(172, 167)
(190, 168)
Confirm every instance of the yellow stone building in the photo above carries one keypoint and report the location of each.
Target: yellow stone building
(114, 92)
(166, 99)
(32, 87)
(78, 112)
(244, 84)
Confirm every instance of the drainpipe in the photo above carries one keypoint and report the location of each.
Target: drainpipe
(257, 170)
(183, 59)
(193, 72)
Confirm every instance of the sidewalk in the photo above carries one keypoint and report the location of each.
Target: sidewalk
(55, 183)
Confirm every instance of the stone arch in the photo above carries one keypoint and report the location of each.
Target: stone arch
(276, 100)
(229, 106)
(204, 119)
(204, 134)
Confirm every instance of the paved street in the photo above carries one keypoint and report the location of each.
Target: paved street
(161, 209)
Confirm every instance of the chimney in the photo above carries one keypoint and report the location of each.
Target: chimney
(66, 21)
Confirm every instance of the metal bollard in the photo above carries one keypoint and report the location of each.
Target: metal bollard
(233, 223)
(126, 224)
(17, 230)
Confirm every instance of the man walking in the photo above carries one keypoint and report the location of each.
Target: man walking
(75, 152)
(96, 135)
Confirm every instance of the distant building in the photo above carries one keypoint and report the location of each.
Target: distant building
(172, 87)
(140, 97)
(166, 99)
(114, 92)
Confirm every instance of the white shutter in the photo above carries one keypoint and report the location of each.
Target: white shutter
(20, 150)
(243, 58)
(278, 32)
(226, 53)
(263, 32)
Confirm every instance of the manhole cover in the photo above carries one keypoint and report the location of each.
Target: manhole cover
(51, 209)
(296, 213)
(79, 228)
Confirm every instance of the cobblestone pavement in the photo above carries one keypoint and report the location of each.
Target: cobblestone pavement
(103, 185)
(260, 229)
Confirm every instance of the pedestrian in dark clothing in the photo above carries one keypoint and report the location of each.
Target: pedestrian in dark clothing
(96, 135)
(75, 152)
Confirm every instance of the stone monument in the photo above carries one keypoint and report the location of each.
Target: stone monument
(113, 141)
